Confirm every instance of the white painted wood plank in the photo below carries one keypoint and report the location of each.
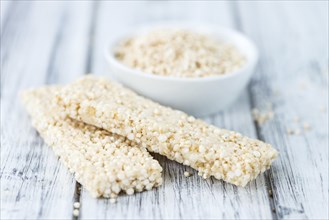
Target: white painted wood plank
(178, 197)
(44, 42)
(4, 9)
(71, 51)
(293, 75)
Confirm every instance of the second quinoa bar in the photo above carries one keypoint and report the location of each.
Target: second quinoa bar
(212, 151)
(103, 163)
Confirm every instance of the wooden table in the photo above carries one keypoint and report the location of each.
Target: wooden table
(44, 42)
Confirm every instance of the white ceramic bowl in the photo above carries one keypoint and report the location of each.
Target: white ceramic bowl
(196, 96)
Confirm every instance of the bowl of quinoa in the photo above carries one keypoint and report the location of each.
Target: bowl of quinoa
(197, 68)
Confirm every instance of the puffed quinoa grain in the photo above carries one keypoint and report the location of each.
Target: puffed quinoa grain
(76, 205)
(76, 212)
(290, 131)
(187, 174)
(306, 126)
(261, 117)
(113, 200)
(179, 53)
(212, 151)
(103, 163)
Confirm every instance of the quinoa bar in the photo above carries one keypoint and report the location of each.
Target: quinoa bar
(103, 163)
(212, 151)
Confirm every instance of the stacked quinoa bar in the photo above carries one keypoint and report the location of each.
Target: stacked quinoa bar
(104, 163)
(115, 115)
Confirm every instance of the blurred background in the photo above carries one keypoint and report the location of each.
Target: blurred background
(78, 31)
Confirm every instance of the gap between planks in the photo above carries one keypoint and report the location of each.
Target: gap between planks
(300, 176)
(50, 74)
(267, 175)
(88, 68)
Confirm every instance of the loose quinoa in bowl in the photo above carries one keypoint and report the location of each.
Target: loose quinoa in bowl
(197, 68)
(179, 53)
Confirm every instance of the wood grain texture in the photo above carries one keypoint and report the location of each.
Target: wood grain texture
(179, 197)
(57, 41)
(42, 43)
(293, 76)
